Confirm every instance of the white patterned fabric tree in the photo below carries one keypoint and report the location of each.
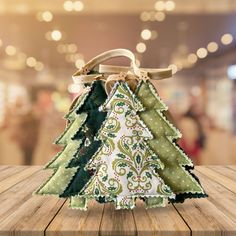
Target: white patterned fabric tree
(124, 166)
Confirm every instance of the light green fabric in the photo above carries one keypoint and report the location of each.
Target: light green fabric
(71, 129)
(63, 158)
(58, 181)
(78, 202)
(71, 115)
(173, 174)
(155, 202)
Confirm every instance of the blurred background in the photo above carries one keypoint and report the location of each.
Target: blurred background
(42, 43)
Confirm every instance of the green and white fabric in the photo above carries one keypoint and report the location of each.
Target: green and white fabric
(125, 165)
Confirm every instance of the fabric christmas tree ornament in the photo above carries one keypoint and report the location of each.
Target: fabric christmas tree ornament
(93, 123)
(119, 145)
(176, 172)
(125, 165)
(76, 137)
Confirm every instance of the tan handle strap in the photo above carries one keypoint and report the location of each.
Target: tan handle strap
(108, 55)
(156, 74)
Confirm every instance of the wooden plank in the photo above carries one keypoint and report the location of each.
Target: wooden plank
(159, 221)
(212, 187)
(223, 180)
(19, 193)
(205, 219)
(27, 215)
(10, 170)
(117, 222)
(71, 222)
(32, 217)
(220, 196)
(19, 176)
(232, 167)
(223, 170)
(4, 167)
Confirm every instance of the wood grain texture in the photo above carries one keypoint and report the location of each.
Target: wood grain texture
(69, 222)
(162, 221)
(7, 183)
(10, 170)
(119, 222)
(22, 214)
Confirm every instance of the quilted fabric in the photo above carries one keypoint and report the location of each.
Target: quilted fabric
(79, 133)
(125, 165)
(175, 174)
(93, 123)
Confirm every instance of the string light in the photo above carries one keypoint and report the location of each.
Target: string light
(38, 66)
(174, 68)
(68, 5)
(227, 39)
(56, 35)
(31, 62)
(47, 16)
(79, 63)
(202, 53)
(146, 34)
(145, 16)
(160, 16)
(160, 5)
(78, 6)
(141, 47)
(10, 50)
(73, 6)
(170, 5)
(212, 47)
(192, 58)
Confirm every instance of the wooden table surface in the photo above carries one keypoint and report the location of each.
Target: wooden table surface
(24, 214)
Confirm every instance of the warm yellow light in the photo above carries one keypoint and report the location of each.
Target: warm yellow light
(160, 5)
(141, 47)
(56, 35)
(174, 68)
(192, 58)
(39, 66)
(79, 63)
(160, 16)
(78, 6)
(68, 5)
(10, 50)
(71, 48)
(227, 39)
(202, 53)
(170, 5)
(31, 61)
(146, 34)
(62, 48)
(47, 16)
(212, 47)
(1, 43)
(145, 16)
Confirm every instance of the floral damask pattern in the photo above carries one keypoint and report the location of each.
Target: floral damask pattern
(125, 165)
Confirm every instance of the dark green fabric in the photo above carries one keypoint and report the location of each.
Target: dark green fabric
(82, 176)
(95, 98)
(87, 133)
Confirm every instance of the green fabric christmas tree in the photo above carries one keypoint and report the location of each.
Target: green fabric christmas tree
(93, 123)
(124, 166)
(76, 135)
(177, 171)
